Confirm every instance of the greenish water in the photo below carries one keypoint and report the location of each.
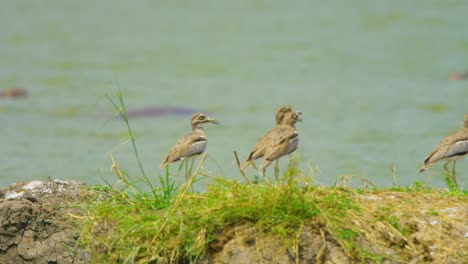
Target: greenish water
(370, 78)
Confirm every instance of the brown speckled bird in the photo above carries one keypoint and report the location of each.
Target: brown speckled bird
(284, 141)
(451, 148)
(192, 144)
(259, 148)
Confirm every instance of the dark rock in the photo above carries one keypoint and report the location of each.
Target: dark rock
(34, 225)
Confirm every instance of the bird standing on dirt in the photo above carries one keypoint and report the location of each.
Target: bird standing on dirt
(192, 144)
(283, 142)
(259, 148)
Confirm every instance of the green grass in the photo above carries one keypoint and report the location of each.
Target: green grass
(119, 227)
(165, 222)
(144, 225)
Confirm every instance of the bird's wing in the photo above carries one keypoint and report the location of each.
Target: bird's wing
(292, 146)
(448, 146)
(197, 145)
(186, 146)
(259, 148)
(279, 144)
(458, 149)
(281, 134)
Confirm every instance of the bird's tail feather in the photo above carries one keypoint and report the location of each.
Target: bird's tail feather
(164, 163)
(423, 168)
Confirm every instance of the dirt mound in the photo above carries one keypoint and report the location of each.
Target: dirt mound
(34, 226)
(243, 244)
(394, 227)
(429, 228)
(391, 227)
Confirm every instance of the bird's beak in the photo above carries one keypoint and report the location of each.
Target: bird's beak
(212, 120)
(299, 118)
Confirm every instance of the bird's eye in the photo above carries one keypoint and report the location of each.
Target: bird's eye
(201, 117)
(287, 109)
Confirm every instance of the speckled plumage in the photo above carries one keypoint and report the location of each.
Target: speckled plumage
(192, 144)
(284, 141)
(452, 147)
(259, 148)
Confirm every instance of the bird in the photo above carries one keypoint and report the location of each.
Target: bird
(451, 148)
(191, 144)
(284, 141)
(259, 148)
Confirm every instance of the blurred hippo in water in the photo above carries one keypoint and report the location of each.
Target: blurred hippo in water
(158, 111)
(455, 76)
(14, 92)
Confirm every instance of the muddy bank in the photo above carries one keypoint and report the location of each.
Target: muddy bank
(35, 226)
(423, 229)
(244, 244)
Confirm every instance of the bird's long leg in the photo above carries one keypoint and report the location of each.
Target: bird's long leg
(451, 174)
(192, 161)
(191, 166)
(454, 180)
(265, 178)
(186, 170)
(453, 168)
(276, 171)
(258, 171)
(446, 167)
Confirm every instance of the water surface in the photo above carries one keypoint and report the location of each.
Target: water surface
(369, 76)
